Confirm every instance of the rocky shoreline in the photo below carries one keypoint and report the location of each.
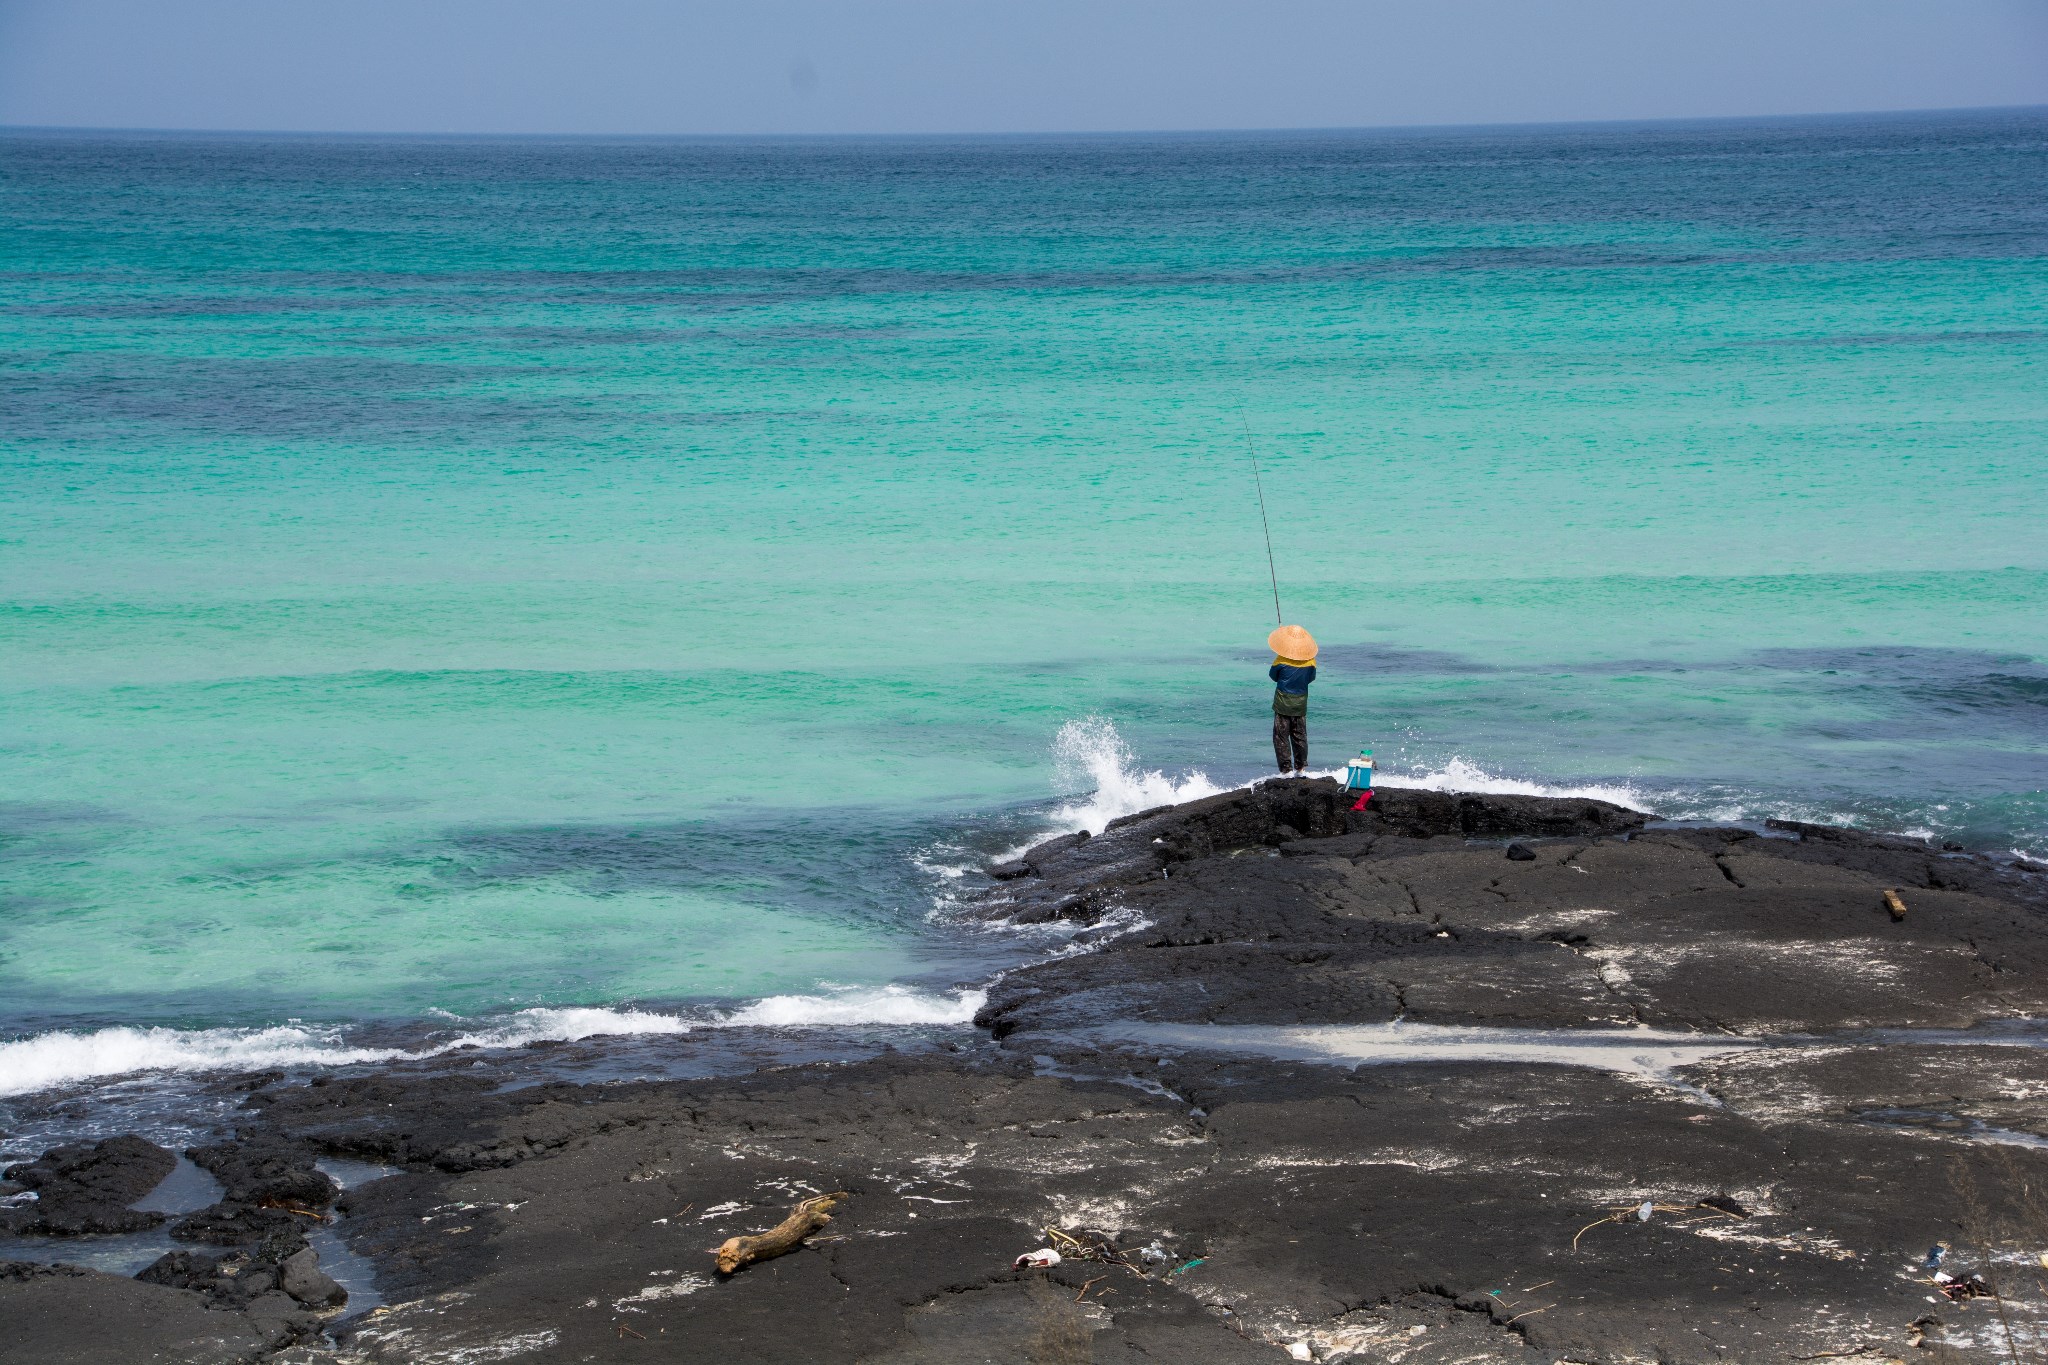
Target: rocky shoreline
(1649, 1093)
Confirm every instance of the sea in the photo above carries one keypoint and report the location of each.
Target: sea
(477, 592)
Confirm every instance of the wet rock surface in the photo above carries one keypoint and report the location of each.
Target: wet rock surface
(271, 1192)
(85, 1188)
(1767, 1204)
(263, 1293)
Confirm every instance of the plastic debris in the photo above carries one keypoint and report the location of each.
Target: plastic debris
(1087, 1244)
(1299, 1350)
(1934, 1255)
(1093, 1244)
(1189, 1266)
(1040, 1259)
(1965, 1287)
(1719, 1205)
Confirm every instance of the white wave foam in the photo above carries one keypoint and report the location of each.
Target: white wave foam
(51, 1059)
(1090, 754)
(1461, 775)
(1119, 921)
(886, 1005)
(54, 1059)
(569, 1026)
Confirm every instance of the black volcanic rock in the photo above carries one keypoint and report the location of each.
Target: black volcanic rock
(233, 1223)
(266, 1174)
(85, 1188)
(1449, 1211)
(1399, 917)
(1072, 876)
(1324, 1205)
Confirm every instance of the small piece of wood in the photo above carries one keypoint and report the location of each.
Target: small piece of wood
(1893, 903)
(805, 1219)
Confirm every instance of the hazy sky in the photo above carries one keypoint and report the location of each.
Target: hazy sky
(770, 66)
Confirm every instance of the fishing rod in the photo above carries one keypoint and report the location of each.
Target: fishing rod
(1271, 572)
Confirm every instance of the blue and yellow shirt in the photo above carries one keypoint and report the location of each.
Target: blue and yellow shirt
(1291, 678)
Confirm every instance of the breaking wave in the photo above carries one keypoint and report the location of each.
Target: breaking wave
(883, 1005)
(1461, 775)
(54, 1059)
(1089, 754)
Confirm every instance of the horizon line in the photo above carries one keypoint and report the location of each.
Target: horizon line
(422, 134)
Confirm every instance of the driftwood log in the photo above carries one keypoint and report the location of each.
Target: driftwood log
(1896, 904)
(805, 1219)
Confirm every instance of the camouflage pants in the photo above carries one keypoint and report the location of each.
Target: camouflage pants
(1290, 733)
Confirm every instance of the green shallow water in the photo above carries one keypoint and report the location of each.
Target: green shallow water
(469, 576)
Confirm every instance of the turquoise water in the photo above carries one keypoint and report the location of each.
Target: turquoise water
(479, 576)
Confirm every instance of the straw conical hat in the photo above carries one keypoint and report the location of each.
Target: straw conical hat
(1293, 644)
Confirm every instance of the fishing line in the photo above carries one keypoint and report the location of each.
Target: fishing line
(1271, 572)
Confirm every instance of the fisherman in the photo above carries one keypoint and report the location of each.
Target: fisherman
(1294, 668)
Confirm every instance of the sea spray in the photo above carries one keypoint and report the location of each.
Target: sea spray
(1089, 755)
